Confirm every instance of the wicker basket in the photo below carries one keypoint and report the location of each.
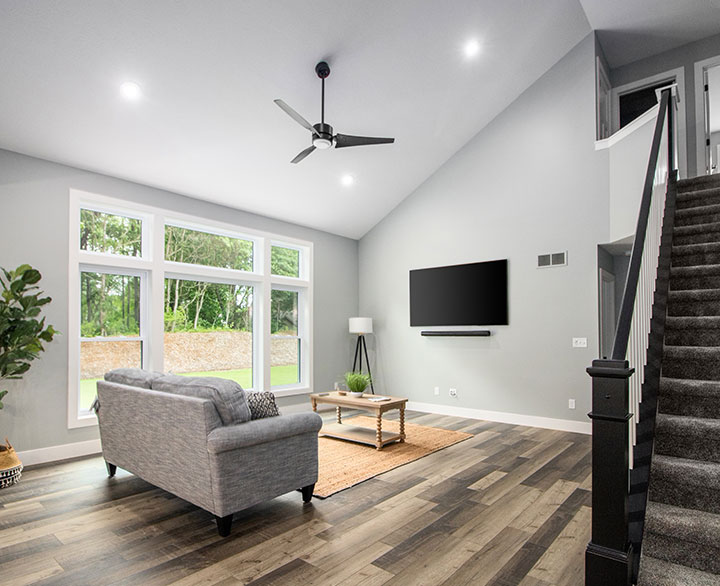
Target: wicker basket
(10, 465)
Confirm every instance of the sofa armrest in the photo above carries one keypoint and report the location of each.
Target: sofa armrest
(260, 431)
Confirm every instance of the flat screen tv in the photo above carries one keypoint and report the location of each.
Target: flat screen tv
(474, 294)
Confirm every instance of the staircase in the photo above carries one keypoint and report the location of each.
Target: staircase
(681, 543)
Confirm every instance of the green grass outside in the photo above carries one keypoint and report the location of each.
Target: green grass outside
(279, 375)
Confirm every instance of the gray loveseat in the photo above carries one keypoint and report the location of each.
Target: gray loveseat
(195, 439)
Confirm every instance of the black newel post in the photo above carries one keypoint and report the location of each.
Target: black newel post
(609, 555)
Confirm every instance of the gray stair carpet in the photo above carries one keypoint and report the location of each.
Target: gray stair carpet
(681, 540)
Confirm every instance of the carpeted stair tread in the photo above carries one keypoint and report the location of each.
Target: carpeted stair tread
(693, 362)
(696, 438)
(693, 398)
(692, 330)
(690, 484)
(698, 197)
(656, 572)
(695, 277)
(694, 302)
(696, 254)
(696, 233)
(700, 182)
(683, 536)
(702, 214)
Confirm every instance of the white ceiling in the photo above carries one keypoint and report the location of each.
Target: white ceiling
(207, 126)
(630, 30)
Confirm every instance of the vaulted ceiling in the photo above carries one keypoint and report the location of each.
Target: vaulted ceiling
(205, 124)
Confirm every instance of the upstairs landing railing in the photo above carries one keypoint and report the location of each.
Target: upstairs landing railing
(630, 377)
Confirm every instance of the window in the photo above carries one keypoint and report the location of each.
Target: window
(204, 302)
(209, 330)
(109, 328)
(203, 248)
(285, 261)
(285, 342)
(109, 233)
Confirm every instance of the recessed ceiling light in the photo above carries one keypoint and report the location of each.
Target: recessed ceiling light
(130, 90)
(347, 180)
(472, 48)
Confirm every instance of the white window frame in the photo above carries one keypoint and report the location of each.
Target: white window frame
(154, 269)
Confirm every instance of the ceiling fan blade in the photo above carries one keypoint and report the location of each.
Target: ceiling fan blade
(347, 140)
(295, 116)
(303, 154)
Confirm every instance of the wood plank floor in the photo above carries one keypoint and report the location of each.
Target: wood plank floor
(510, 506)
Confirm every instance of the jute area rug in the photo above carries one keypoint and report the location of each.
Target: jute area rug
(344, 464)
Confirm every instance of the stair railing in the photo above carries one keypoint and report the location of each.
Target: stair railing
(622, 382)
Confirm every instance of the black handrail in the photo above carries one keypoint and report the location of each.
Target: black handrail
(612, 554)
(622, 333)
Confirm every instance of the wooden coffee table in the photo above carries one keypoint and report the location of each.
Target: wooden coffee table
(362, 435)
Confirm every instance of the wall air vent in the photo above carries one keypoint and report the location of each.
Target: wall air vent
(555, 259)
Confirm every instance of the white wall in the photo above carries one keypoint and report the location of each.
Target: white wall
(529, 183)
(628, 151)
(33, 229)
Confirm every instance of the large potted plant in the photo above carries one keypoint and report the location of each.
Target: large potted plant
(22, 333)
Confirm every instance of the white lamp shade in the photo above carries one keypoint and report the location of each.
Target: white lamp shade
(361, 325)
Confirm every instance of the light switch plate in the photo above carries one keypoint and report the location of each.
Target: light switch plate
(579, 342)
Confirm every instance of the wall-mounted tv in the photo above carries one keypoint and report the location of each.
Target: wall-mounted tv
(474, 294)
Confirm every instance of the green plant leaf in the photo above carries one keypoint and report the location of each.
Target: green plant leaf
(31, 276)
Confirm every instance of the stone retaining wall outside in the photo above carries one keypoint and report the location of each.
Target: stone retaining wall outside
(185, 352)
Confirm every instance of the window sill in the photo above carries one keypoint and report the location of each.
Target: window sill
(289, 392)
(88, 420)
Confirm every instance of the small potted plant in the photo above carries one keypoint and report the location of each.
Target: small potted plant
(356, 383)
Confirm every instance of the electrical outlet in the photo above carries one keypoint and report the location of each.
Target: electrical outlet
(453, 393)
(437, 391)
(571, 403)
(579, 342)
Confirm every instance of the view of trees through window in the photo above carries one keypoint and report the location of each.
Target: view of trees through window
(203, 248)
(110, 233)
(208, 326)
(109, 308)
(285, 261)
(285, 345)
(208, 329)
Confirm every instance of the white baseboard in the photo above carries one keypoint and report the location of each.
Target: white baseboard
(500, 417)
(62, 452)
(67, 451)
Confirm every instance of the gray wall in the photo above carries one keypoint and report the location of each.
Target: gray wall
(529, 183)
(33, 229)
(685, 57)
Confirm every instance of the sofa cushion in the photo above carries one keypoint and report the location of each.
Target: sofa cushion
(134, 377)
(262, 404)
(227, 396)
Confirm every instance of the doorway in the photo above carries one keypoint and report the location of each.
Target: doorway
(707, 112)
(711, 104)
(607, 312)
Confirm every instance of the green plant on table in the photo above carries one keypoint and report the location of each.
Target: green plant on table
(22, 330)
(357, 382)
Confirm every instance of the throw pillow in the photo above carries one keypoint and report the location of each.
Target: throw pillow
(134, 377)
(227, 396)
(262, 404)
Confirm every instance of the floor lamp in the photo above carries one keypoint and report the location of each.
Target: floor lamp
(361, 326)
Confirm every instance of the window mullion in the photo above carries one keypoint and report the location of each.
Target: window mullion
(265, 339)
(156, 295)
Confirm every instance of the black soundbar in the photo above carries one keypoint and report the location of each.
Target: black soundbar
(456, 333)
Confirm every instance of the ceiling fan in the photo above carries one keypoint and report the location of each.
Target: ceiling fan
(322, 134)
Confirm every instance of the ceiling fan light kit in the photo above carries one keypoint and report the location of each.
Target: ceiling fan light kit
(322, 134)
